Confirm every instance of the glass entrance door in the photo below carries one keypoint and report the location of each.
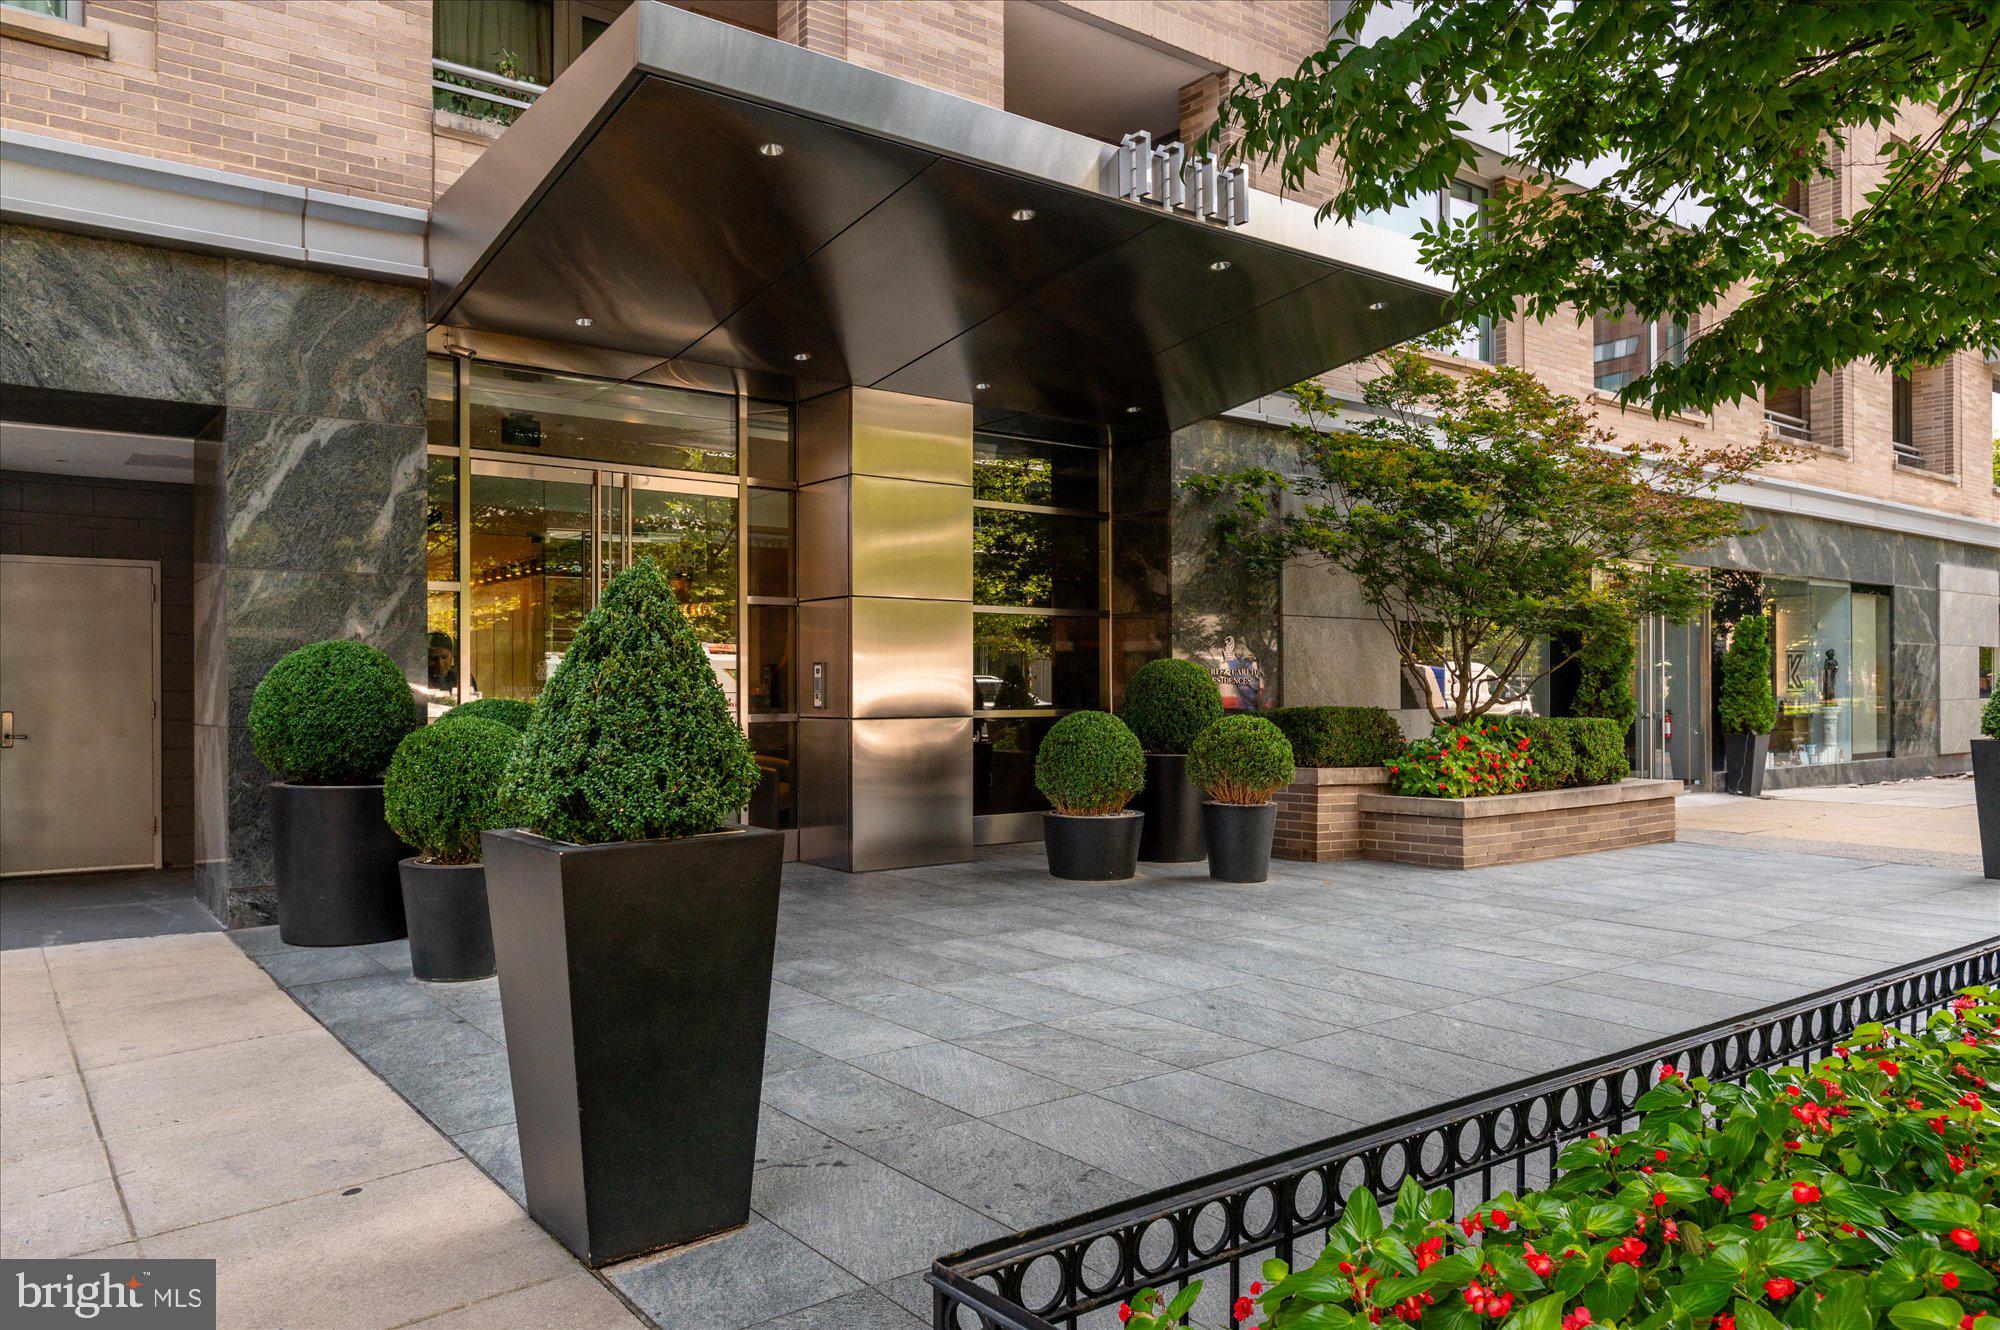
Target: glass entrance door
(1672, 729)
(533, 565)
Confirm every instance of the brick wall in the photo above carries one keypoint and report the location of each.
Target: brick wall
(956, 46)
(86, 518)
(1516, 828)
(1319, 814)
(334, 95)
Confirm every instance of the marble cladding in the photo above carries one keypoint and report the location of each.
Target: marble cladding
(1226, 613)
(315, 344)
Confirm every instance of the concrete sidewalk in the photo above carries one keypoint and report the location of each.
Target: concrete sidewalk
(1929, 822)
(162, 1097)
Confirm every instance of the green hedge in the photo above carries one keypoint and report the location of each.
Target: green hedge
(1338, 736)
(1604, 671)
(1600, 750)
(509, 711)
(1090, 764)
(1567, 751)
(1241, 759)
(1747, 705)
(1168, 703)
(632, 738)
(1989, 715)
(443, 787)
(331, 714)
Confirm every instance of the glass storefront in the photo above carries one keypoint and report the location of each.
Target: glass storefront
(1832, 648)
(544, 486)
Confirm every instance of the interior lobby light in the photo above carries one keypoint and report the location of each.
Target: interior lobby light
(981, 387)
(1131, 410)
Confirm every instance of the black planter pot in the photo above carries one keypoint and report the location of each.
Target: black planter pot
(635, 985)
(1743, 762)
(334, 860)
(1239, 840)
(1986, 792)
(1092, 849)
(1171, 802)
(451, 938)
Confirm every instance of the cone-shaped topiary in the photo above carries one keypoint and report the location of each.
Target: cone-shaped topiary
(443, 787)
(331, 714)
(1169, 702)
(1747, 704)
(1604, 670)
(632, 738)
(1089, 764)
(509, 711)
(1989, 716)
(1241, 759)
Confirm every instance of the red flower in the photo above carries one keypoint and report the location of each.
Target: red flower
(1758, 1221)
(1577, 1319)
(1538, 1262)
(1805, 1193)
(1124, 1311)
(1244, 1309)
(1722, 1193)
(1725, 1322)
(1780, 1288)
(1888, 1068)
(1256, 1287)
(1948, 1279)
(1969, 1101)
(1659, 1198)
(1957, 1164)
(1501, 1221)
(1964, 1239)
(1668, 1072)
(1659, 1156)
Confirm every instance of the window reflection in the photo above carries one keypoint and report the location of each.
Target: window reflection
(530, 576)
(1024, 662)
(441, 520)
(600, 420)
(1031, 471)
(1034, 560)
(1003, 765)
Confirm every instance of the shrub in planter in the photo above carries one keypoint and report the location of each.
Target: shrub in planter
(634, 932)
(326, 719)
(1604, 670)
(1747, 706)
(1986, 783)
(1338, 736)
(1168, 703)
(442, 791)
(1551, 760)
(1857, 1193)
(1461, 761)
(1241, 761)
(509, 711)
(1600, 751)
(1088, 767)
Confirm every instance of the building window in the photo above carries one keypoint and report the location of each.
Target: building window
(1993, 428)
(1833, 664)
(1460, 204)
(69, 11)
(1903, 418)
(1625, 347)
(1788, 413)
(490, 59)
(1794, 199)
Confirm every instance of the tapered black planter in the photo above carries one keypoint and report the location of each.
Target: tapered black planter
(635, 984)
(451, 938)
(1743, 762)
(1986, 793)
(334, 860)
(1239, 840)
(1171, 802)
(1092, 849)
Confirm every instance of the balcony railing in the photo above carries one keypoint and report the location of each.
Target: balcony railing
(480, 93)
(1796, 428)
(1479, 1146)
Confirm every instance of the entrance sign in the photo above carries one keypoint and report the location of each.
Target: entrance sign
(1163, 175)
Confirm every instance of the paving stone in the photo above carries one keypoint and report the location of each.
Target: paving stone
(864, 1309)
(999, 1173)
(1155, 1036)
(1230, 1014)
(1065, 1057)
(842, 1032)
(875, 1222)
(379, 996)
(1260, 1122)
(463, 1095)
(576, 1301)
(734, 1280)
(319, 964)
(497, 1151)
(969, 1082)
(1355, 1095)
(1146, 1151)
(850, 1104)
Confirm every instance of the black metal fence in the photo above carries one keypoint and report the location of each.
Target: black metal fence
(1507, 1139)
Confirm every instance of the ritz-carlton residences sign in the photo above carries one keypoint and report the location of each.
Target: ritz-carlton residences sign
(1163, 175)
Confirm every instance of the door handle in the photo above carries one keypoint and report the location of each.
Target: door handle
(7, 735)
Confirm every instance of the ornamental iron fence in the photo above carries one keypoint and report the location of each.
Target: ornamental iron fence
(1061, 1273)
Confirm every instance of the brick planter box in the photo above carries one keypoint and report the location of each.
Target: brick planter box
(1513, 828)
(1319, 814)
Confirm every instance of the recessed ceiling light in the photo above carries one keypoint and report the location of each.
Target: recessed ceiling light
(773, 150)
(1131, 410)
(1220, 265)
(585, 322)
(1378, 305)
(982, 387)
(1024, 214)
(803, 355)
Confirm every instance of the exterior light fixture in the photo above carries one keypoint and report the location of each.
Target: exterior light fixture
(773, 150)
(1220, 265)
(585, 322)
(1378, 306)
(803, 355)
(981, 387)
(1131, 410)
(1024, 214)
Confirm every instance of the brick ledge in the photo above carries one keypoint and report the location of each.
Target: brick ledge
(1309, 777)
(1510, 805)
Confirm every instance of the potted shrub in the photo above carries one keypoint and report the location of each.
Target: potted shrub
(634, 929)
(1089, 766)
(509, 711)
(1748, 707)
(1168, 703)
(1241, 761)
(326, 719)
(442, 791)
(1986, 782)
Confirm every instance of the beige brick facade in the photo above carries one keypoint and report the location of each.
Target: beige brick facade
(1517, 828)
(1319, 813)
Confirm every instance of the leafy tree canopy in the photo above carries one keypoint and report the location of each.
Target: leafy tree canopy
(1724, 107)
(1480, 515)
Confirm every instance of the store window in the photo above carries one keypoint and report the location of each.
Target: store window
(1833, 660)
(1625, 347)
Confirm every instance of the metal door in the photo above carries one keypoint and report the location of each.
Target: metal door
(79, 715)
(1673, 682)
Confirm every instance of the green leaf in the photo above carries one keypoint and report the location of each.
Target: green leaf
(1935, 1212)
(1541, 1314)
(1753, 1316)
(1927, 1314)
(1845, 1307)
(1183, 1302)
(1363, 1217)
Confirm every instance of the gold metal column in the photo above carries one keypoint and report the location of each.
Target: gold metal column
(885, 630)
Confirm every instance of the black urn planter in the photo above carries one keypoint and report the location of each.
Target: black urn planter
(1743, 761)
(451, 937)
(1171, 802)
(1093, 849)
(334, 860)
(1239, 840)
(1986, 793)
(635, 985)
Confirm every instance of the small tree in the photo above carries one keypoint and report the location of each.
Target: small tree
(1480, 515)
(1747, 703)
(1604, 666)
(632, 738)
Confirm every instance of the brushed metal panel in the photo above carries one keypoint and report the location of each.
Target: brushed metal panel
(911, 538)
(912, 793)
(825, 791)
(824, 638)
(911, 657)
(823, 436)
(1006, 828)
(912, 438)
(821, 511)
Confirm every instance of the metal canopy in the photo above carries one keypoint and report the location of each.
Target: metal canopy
(881, 245)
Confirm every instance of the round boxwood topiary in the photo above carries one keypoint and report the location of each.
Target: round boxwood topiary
(1241, 759)
(331, 714)
(633, 738)
(1170, 702)
(1089, 765)
(443, 787)
(509, 711)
